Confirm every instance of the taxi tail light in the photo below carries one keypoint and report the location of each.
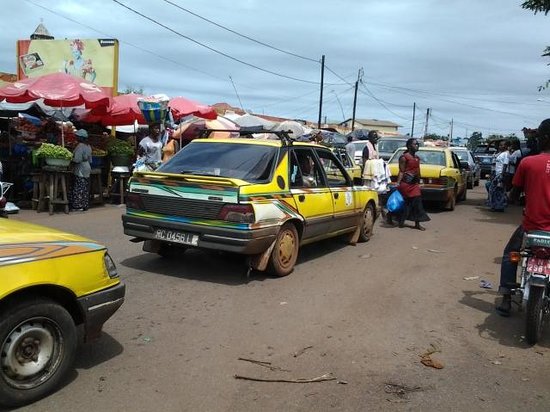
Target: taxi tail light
(237, 213)
(541, 252)
(515, 257)
(134, 201)
(3, 202)
(110, 266)
(437, 181)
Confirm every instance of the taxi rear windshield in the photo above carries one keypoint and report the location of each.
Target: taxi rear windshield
(249, 162)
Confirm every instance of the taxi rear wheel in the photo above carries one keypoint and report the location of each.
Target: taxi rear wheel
(367, 224)
(38, 344)
(450, 205)
(285, 252)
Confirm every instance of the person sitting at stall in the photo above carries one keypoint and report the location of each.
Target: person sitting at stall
(82, 155)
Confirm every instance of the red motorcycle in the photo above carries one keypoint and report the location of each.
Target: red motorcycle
(535, 281)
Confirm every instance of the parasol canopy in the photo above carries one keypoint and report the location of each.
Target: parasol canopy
(57, 90)
(181, 107)
(193, 128)
(123, 110)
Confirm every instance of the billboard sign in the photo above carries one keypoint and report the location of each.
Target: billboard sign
(95, 60)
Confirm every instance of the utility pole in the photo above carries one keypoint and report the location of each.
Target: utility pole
(451, 133)
(359, 75)
(321, 94)
(426, 125)
(237, 93)
(414, 114)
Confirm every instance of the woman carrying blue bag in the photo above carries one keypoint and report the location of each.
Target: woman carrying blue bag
(408, 184)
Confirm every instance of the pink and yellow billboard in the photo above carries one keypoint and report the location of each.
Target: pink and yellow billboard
(95, 60)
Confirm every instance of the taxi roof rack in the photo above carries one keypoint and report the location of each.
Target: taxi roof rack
(283, 135)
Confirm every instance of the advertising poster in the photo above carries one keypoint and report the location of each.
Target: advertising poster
(95, 60)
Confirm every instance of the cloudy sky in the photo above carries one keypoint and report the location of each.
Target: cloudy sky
(477, 63)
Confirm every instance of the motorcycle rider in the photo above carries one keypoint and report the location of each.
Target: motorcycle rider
(533, 178)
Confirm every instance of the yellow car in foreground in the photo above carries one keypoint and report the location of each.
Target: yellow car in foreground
(442, 179)
(50, 283)
(261, 198)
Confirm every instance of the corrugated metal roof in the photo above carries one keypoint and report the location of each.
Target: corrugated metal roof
(41, 32)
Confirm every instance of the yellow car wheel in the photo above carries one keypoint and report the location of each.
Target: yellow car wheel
(285, 252)
(37, 346)
(367, 224)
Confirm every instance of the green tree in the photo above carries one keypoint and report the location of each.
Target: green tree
(540, 6)
(475, 139)
(132, 89)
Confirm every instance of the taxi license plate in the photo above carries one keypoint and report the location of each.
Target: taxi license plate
(177, 237)
(538, 265)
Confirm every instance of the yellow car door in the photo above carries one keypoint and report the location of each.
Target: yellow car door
(311, 194)
(340, 185)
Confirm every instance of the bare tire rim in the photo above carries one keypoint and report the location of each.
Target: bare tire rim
(368, 222)
(31, 353)
(286, 250)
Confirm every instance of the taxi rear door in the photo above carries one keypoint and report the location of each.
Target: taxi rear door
(311, 194)
(341, 188)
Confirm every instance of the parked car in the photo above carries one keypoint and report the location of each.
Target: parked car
(359, 146)
(351, 166)
(484, 155)
(52, 283)
(388, 145)
(441, 177)
(261, 198)
(468, 163)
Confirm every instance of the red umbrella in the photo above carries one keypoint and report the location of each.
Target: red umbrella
(122, 111)
(57, 89)
(181, 107)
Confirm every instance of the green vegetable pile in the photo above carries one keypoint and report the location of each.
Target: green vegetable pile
(54, 151)
(117, 147)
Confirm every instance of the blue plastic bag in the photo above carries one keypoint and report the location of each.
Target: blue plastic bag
(395, 202)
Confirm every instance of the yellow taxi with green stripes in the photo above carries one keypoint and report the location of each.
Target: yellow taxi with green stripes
(52, 284)
(259, 197)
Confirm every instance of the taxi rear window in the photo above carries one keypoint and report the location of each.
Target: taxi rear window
(249, 162)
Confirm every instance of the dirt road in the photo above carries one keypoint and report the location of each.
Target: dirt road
(363, 314)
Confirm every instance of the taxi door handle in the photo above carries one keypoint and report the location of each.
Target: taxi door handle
(336, 195)
(301, 198)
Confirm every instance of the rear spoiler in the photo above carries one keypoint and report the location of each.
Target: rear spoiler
(191, 178)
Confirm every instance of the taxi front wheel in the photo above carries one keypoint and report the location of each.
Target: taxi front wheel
(367, 224)
(285, 252)
(38, 343)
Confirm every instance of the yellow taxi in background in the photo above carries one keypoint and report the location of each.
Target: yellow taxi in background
(261, 198)
(442, 179)
(50, 282)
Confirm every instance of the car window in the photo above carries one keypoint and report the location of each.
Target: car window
(336, 175)
(305, 170)
(430, 157)
(462, 155)
(249, 162)
(456, 161)
(389, 145)
(342, 155)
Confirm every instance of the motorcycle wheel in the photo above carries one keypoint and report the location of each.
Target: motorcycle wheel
(535, 312)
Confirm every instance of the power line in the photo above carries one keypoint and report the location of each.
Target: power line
(125, 42)
(240, 34)
(213, 49)
(369, 93)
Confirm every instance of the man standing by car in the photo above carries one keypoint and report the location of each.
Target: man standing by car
(369, 151)
(533, 177)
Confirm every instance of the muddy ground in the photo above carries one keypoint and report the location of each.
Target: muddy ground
(362, 314)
